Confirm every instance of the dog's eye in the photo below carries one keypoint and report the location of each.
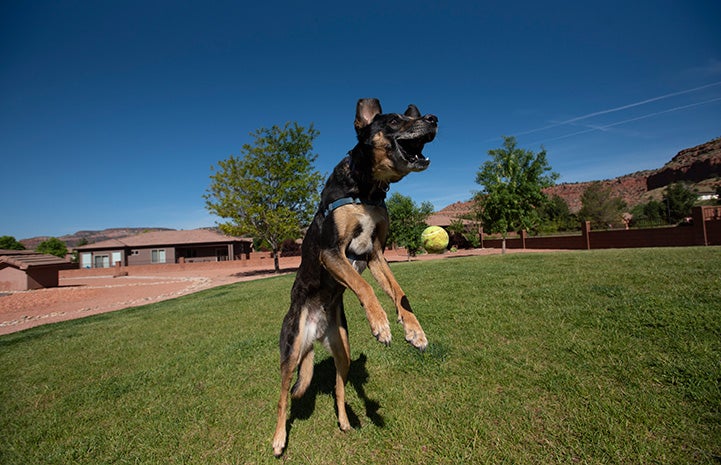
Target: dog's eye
(394, 121)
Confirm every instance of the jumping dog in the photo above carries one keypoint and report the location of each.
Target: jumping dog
(348, 234)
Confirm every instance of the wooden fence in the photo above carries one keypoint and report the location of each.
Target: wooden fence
(705, 229)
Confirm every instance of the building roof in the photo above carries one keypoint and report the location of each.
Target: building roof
(161, 238)
(24, 259)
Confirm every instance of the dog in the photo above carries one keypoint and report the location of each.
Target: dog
(348, 234)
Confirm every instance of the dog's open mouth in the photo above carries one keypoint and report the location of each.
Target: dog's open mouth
(412, 151)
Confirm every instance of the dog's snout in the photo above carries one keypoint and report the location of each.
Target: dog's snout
(433, 119)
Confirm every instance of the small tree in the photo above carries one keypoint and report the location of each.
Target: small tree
(600, 207)
(679, 200)
(10, 243)
(462, 235)
(270, 192)
(512, 183)
(555, 216)
(53, 246)
(651, 213)
(407, 222)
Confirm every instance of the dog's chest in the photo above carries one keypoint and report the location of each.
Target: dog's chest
(358, 229)
(360, 247)
(363, 234)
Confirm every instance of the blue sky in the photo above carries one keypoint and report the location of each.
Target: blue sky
(112, 113)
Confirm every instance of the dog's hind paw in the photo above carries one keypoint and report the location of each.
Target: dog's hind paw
(279, 443)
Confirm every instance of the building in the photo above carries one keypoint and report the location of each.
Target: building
(158, 247)
(22, 270)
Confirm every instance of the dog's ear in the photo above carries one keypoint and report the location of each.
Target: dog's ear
(365, 111)
(412, 111)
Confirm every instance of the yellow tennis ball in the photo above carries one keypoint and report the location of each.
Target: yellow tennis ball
(434, 239)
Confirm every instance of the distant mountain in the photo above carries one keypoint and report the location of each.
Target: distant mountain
(699, 166)
(72, 240)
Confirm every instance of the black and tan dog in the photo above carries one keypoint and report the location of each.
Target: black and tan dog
(347, 235)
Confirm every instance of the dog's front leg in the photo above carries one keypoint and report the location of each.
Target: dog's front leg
(383, 274)
(342, 271)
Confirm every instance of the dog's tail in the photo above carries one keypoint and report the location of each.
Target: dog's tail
(305, 374)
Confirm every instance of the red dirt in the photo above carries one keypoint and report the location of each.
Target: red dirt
(81, 296)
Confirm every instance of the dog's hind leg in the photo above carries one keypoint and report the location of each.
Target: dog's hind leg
(293, 345)
(286, 375)
(337, 339)
(305, 374)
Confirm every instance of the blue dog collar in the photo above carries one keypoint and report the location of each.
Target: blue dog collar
(339, 203)
(348, 200)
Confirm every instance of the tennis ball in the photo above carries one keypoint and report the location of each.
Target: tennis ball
(434, 239)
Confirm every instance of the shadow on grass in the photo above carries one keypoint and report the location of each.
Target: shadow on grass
(324, 383)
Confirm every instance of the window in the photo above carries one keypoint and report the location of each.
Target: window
(102, 261)
(157, 256)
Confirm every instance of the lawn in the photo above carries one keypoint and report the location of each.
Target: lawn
(567, 357)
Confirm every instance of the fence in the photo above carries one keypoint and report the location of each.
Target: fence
(705, 229)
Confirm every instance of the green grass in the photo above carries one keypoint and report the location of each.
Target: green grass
(569, 357)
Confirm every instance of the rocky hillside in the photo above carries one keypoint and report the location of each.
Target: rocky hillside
(72, 240)
(698, 166)
(694, 165)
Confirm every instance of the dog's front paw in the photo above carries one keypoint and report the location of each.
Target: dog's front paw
(382, 332)
(416, 337)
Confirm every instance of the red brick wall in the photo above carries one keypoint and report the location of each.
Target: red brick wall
(257, 260)
(671, 236)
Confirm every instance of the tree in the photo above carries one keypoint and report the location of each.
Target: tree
(679, 200)
(462, 235)
(53, 246)
(10, 243)
(512, 183)
(600, 207)
(270, 192)
(651, 213)
(407, 222)
(555, 216)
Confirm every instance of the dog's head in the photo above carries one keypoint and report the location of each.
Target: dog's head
(395, 141)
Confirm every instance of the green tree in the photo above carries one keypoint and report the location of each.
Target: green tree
(10, 243)
(651, 213)
(511, 188)
(679, 200)
(53, 246)
(555, 216)
(600, 207)
(272, 190)
(407, 222)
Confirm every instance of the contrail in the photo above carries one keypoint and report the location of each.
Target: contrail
(624, 107)
(618, 123)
